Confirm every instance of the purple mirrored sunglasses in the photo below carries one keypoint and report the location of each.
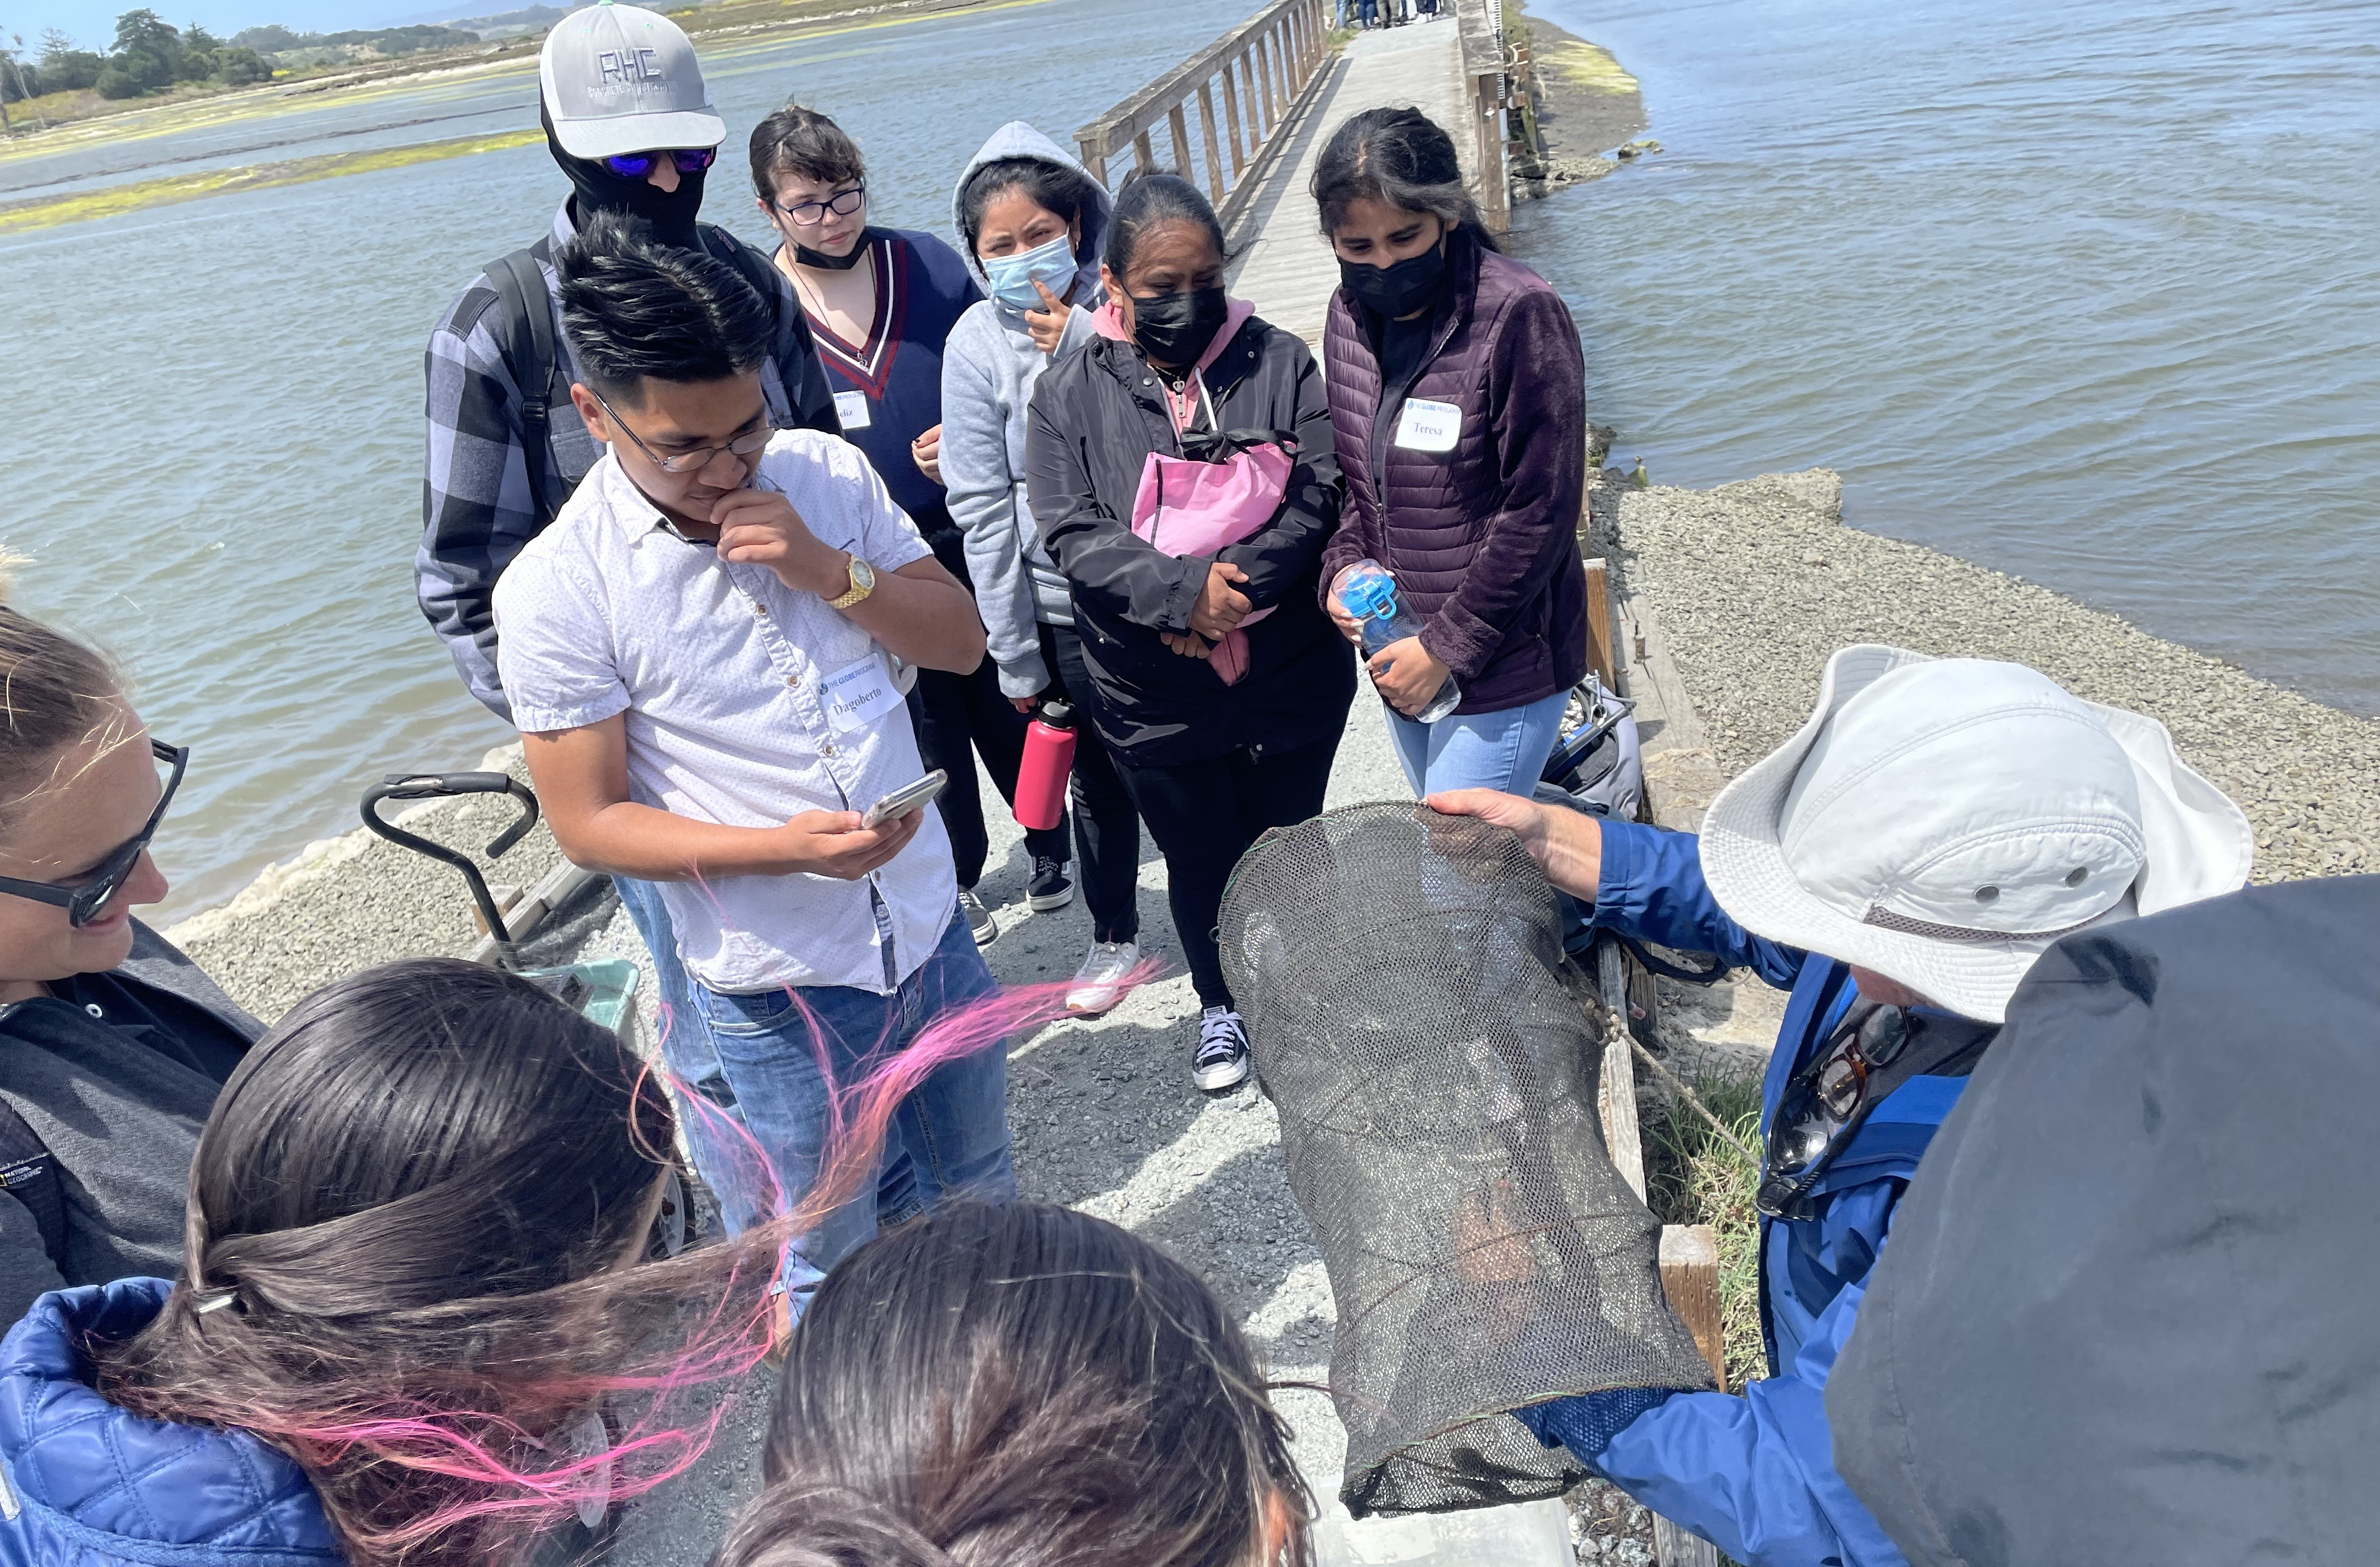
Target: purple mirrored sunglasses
(637, 165)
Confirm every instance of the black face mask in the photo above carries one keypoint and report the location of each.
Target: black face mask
(1399, 289)
(595, 188)
(1174, 329)
(804, 256)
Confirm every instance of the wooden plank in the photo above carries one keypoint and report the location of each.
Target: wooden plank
(1231, 122)
(1598, 623)
(1257, 127)
(1179, 129)
(1616, 1087)
(1144, 156)
(1214, 154)
(1672, 1546)
(1690, 1278)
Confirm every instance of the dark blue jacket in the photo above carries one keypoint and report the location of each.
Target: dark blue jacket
(85, 1484)
(1755, 1473)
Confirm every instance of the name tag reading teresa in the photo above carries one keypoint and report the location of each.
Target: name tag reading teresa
(1425, 426)
(852, 409)
(857, 695)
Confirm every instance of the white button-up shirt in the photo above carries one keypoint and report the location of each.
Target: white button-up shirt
(721, 670)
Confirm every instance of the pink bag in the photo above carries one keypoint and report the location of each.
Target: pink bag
(1188, 507)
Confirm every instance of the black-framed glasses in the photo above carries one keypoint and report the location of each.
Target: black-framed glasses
(637, 165)
(843, 203)
(701, 456)
(86, 895)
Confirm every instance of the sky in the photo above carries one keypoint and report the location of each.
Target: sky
(92, 23)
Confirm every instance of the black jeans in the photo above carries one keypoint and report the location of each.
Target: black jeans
(1107, 828)
(954, 712)
(1204, 815)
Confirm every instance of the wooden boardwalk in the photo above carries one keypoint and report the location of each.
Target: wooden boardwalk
(1284, 265)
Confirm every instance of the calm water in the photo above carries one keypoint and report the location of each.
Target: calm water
(215, 449)
(2085, 293)
(2088, 293)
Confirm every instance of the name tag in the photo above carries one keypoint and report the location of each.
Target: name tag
(850, 409)
(857, 695)
(1425, 426)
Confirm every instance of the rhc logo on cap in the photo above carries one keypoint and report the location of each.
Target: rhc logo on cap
(620, 79)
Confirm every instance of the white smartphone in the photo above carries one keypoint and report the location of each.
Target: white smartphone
(906, 798)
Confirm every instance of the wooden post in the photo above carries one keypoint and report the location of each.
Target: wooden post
(1690, 1278)
(1144, 156)
(1180, 131)
(1206, 133)
(1616, 1085)
(1600, 651)
(1232, 120)
(1257, 126)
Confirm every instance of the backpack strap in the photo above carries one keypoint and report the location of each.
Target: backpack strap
(535, 354)
(29, 1172)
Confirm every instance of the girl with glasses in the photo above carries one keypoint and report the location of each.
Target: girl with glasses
(112, 1044)
(881, 303)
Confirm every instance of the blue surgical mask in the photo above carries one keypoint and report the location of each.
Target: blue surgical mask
(1013, 275)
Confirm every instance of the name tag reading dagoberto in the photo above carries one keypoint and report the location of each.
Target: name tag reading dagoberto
(859, 694)
(850, 409)
(1425, 426)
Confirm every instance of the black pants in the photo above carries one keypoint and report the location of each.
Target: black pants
(1204, 815)
(960, 714)
(1107, 830)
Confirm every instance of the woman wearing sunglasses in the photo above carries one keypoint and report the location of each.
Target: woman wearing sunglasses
(432, 1307)
(113, 1045)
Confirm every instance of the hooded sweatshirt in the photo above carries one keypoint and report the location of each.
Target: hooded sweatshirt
(989, 367)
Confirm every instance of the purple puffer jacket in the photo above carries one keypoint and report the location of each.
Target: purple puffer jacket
(1483, 539)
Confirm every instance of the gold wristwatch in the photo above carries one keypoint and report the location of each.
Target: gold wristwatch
(863, 582)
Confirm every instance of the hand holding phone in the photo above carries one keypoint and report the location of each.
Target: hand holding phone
(906, 798)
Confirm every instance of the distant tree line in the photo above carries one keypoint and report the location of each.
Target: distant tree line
(151, 53)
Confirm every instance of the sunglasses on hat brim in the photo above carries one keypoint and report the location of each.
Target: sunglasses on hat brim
(637, 165)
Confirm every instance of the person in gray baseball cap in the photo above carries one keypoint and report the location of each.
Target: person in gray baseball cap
(631, 125)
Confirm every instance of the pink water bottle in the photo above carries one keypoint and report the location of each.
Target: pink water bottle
(1041, 775)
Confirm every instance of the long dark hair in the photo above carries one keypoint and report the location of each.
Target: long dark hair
(406, 1220)
(1025, 1385)
(1401, 157)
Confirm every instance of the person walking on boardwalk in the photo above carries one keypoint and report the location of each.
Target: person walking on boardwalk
(698, 654)
(112, 1044)
(1458, 401)
(1897, 866)
(630, 123)
(1030, 221)
(1214, 678)
(881, 303)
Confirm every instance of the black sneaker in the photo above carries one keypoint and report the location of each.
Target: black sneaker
(1049, 888)
(1223, 1058)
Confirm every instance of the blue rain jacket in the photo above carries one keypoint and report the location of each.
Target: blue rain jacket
(85, 1484)
(1755, 1473)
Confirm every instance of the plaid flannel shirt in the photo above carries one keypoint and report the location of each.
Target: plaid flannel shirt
(475, 507)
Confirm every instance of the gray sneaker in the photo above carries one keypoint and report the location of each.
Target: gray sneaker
(979, 918)
(1099, 984)
(1223, 1058)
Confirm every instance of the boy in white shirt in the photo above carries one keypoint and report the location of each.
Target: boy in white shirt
(696, 652)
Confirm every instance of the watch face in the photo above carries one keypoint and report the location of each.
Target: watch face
(863, 575)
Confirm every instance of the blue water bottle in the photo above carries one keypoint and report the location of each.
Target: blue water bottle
(1369, 593)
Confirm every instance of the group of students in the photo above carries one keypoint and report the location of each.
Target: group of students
(744, 544)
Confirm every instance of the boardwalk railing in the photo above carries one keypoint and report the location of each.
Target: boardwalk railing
(1258, 75)
(1488, 94)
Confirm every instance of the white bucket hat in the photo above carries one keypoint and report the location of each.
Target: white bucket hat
(619, 79)
(1942, 820)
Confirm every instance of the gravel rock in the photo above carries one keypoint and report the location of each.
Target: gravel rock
(1755, 583)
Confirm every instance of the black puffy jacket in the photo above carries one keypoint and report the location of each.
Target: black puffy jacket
(1096, 418)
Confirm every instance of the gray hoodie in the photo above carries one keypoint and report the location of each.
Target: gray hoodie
(989, 366)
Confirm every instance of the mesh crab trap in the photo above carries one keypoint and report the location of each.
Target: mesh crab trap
(1434, 1064)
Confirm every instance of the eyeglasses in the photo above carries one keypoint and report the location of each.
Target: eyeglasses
(86, 895)
(843, 203)
(701, 456)
(637, 165)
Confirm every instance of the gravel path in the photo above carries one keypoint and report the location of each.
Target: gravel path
(1754, 584)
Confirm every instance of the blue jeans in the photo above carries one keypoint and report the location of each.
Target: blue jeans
(692, 1058)
(793, 1055)
(1504, 750)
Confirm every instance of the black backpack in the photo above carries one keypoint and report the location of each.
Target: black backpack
(526, 329)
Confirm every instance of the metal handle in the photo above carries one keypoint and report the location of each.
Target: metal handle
(445, 786)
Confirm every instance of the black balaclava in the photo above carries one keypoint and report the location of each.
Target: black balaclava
(595, 188)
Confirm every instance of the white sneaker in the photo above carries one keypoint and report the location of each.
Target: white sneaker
(980, 922)
(1223, 1058)
(1099, 984)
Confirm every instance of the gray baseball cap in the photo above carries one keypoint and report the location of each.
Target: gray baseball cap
(620, 79)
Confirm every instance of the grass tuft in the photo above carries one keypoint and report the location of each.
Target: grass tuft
(1694, 1176)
